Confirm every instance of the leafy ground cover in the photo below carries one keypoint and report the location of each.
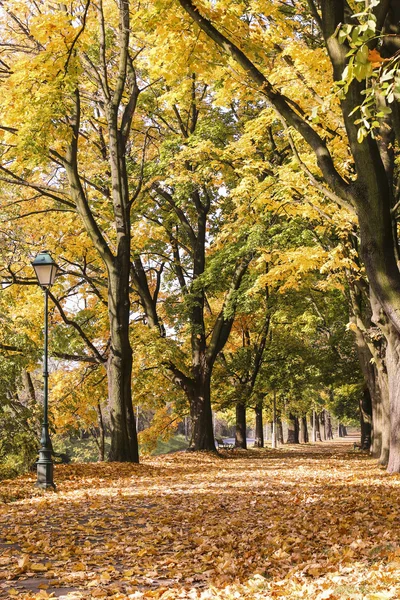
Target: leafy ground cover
(316, 522)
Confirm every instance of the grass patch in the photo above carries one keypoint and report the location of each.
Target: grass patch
(86, 451)
(174, 444)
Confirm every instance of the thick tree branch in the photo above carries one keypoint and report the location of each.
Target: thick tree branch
(78, 194)
(44, 190)
(99, 357)
(179, 377)
(179, 212)
(223, 324)
(76, 357)
(8, 348)
(141, 285)
(318, 145)
(124, 31)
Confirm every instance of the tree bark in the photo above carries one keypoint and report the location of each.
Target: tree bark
(102, 433)
(293, 430)
(303, 435)
(259, 432)
(371, 350)
(380, 416)
(328, 421)
(124, 444)
(279, 431)
(393, 370)
(199, 395)
(322, 422)
(317, 428)
(240, 431)
(366, 419)
(29, 387)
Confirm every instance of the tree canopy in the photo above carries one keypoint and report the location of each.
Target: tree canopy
(218, 182)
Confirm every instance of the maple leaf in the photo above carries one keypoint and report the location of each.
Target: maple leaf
(375, 58)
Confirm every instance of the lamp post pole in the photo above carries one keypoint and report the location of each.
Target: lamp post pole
(274, 436)
(45, 269)
(45, 462)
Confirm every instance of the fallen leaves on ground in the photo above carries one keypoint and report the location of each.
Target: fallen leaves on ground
(316, 522)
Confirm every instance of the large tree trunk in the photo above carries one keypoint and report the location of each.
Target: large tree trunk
(124, 444)
(380, 417)
(259, 432)
(372, 357)
(240, 431)
(199, 395)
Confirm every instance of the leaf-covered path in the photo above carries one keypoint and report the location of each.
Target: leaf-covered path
(314, 522)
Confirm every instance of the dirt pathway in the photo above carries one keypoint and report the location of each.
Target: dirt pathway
(311, 521)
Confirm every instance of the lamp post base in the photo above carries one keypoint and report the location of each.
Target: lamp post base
(45, 470)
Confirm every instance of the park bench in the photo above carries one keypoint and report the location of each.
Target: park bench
(59, 458)
(223, 445)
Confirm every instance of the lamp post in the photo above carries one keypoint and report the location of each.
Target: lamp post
(45, 269)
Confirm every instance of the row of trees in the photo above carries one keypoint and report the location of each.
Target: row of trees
(216, 205)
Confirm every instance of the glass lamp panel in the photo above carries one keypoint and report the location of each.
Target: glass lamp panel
(44, 274)
(45, 269)
(53, 274)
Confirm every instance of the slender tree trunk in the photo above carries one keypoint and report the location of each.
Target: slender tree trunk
(328, 422)
(317, 428)
(240, 431)
(303, 430)
(296, 430)
(322, 422)
(293, 430)
(279, 431)
(313, 430)
(29, 387)
(259, 433)
(366, 419)
(101, 442)
(274, 434)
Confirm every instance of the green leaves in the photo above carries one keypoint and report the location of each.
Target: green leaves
(365, 64)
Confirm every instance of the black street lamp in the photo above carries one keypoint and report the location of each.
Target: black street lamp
(45, 269)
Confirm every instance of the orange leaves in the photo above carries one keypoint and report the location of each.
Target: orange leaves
(267, 524)
(375, 58)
